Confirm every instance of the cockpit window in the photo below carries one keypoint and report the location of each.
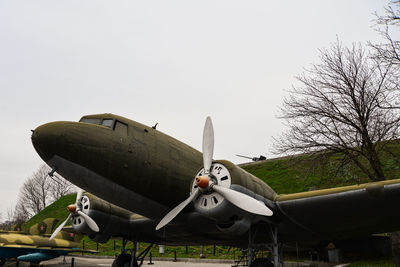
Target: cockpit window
(107, 122)
(92, 121)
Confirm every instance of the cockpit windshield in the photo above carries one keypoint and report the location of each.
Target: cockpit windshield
(103, 122)
(107, 122)
(92, 121)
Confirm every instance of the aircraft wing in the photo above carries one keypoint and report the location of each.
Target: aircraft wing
(42, 248)
(34, 254)
(339, 213)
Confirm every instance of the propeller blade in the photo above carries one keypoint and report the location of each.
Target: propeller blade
(243, 201)
(208, 145)
(78, 195)
(89, 221)
(173, 213)
(59, 228)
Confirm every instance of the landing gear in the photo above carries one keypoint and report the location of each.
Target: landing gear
(2, 261)
(275, 257)
(262, 262)
(130, 260)
(275, 247)
(122, 260)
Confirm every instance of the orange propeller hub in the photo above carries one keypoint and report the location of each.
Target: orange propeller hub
(202, 181)
(71, 208)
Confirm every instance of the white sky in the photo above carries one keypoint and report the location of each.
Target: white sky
(171, 62)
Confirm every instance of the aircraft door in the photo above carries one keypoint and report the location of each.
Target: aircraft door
(121, 143)
(121, 129)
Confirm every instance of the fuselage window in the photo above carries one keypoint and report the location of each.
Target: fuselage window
(121, 128)
(107, 122)
(92, 121)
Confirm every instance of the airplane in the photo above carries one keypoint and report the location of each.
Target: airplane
(186, 197)
(34, 245)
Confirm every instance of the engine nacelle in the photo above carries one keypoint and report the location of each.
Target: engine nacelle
(230, 218)
(112, 220)
(236, 226)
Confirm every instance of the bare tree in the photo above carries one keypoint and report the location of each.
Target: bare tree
(40, 190)
(60, 187)
(336, 108)
(6, 223)
(388, 52)
(21, 213)
(35, 191)
(10, 219)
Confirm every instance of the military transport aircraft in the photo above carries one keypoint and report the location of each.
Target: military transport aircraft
(189, 198)
(34, 245)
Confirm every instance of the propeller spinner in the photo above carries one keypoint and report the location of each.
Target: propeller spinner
(76, 210)
(205, 183)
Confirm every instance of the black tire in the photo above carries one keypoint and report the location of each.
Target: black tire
(122, 260)
(262, 262)
(2, 261)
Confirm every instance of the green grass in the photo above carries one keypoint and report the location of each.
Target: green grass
(221, 252)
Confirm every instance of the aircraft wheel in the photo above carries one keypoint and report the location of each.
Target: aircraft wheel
(262, 262)
(122, 260)
(2, 261)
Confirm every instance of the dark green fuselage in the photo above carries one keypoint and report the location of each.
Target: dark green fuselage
(128, 164)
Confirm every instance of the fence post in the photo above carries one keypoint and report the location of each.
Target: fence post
(151, 262)
(72, 262)
(83, 246)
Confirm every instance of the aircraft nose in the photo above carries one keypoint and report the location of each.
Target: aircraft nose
(48, 139)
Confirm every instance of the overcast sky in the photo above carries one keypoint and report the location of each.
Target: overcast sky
(171, 62)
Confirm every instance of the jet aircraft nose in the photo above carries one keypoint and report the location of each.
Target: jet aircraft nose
(48, 139)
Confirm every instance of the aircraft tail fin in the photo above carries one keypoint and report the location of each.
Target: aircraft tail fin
(44, 227)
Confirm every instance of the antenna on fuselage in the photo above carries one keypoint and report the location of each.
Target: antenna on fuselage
(155, 126)
(51, 173)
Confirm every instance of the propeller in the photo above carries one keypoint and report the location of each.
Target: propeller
(208, 145)
(205, 184)
(75, 210)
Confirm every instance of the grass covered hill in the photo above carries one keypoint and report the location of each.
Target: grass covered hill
(57, 210)
(301, 173)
